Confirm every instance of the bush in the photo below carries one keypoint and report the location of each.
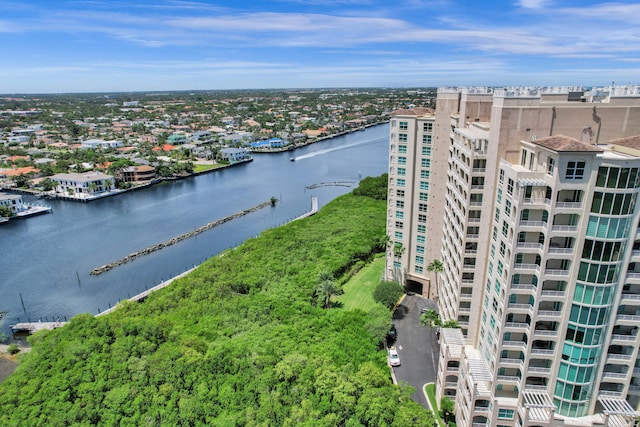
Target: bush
(374, 187)
(388, 293)
(13, 349)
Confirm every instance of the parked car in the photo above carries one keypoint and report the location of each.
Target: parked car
(391, 335)
(394, 359)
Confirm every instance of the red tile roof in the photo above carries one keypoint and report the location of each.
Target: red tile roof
(560, 143)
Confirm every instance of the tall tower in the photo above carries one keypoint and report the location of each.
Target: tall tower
(539, 269)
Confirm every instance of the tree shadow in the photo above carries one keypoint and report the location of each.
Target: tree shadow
(400, 312)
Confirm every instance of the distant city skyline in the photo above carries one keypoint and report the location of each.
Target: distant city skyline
(59, 46)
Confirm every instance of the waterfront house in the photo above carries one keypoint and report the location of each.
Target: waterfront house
(12, 201)
(234, 155)
(101, 143)
(138, 173)
(177, 139)
(83, 186)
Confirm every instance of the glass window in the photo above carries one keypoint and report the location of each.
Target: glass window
(427, 127)
(399, 214)
(420, 239)
(402, 149)
(505, 414)
(426, 139)
(419, 259)
(510, 186)
(402, 160)
(424, 197)
(425, 163)
(400, 193)
(402, 171)
(422, 218)
(418, 269)
(499, 198)
(404, 125)
(402, 137)
(424, 174)
(422, 229)
(420, 249)
(399, 225)
(551, 166)
(426, 151)
(401, 182)
(501, 175)
(575, 170)
(424, 185)
(400, 204)
(398, 235)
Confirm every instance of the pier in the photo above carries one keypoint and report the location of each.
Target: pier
(313, 211)
(32, 327)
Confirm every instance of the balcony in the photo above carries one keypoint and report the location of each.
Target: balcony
(541, 352)
(537, 370)
(627, 318)
(560, 251)
(555, 272)
(527, 267)
(550, 313)
(517, 325)
(610, 393)
(564, 228)
(536, 202)
(619, 357)
(624, 338)
(523, 287)
(630, 299)
(520, 307)
(516, 345)
(508, 361)
(508, 378)
(525, 245)
(614, 375)
(569, 205)
(544, 333)
(553, 294)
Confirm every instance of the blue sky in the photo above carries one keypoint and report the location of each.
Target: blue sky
(105, 46)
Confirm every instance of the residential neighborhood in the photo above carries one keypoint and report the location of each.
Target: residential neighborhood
(84, 147)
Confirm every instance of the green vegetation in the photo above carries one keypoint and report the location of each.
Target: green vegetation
(358, 292)
(13, 349)
(374, 187)
(388, 293)
(240, 341)
(432, 318)
(5, 212)
(431, 395)
(199, 167)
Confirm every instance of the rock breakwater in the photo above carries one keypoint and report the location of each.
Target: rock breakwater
(103, 269)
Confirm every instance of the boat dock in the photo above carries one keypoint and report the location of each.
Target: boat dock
(32, 327)
(313, 211)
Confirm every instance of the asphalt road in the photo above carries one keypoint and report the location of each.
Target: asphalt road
(417, 346)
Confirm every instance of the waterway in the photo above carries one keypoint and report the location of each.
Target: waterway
(45, 261)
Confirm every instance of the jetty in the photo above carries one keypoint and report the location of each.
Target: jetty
(331, 184)
(103, 269)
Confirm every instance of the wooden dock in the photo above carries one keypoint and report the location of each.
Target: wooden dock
(32, 327)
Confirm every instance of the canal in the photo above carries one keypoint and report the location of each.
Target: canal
(45, 261)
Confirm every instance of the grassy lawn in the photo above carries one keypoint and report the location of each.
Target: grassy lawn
(201, 168)
(358, 292)
(431, 394)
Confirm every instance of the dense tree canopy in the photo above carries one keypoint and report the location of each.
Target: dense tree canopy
(237, 342)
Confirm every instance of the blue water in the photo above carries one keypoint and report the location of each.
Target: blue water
(47, 259)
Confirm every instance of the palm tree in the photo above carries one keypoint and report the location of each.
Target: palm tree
(434, 266)
(432, 318)
(326, 288)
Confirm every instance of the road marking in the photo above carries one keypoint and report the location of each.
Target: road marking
(399, 347)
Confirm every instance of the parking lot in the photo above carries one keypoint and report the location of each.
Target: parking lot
(417, 346)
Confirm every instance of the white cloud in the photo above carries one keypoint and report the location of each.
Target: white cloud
(534, 4)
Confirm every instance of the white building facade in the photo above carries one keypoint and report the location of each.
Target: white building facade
(539, 226)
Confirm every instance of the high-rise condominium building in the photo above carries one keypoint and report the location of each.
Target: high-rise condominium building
(532, 210)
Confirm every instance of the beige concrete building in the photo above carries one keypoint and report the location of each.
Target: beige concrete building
(539, 232)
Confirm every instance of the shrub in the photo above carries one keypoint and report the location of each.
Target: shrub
(388, 293)
(13, 349)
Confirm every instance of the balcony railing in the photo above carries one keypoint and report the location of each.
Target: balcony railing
(538, 370)
(555, 272)
(508, 378)
(523, 287)
(620, 337)
(633, 275)
(631, 317)
(524, 223)
(569, 205)
(517, 325)
(541, 352)
(554, 250)
(531, 387)
(525, 245)
(549, 313)
(517, 344)
(509, 361)
(631, 297)
(564, 228)
(515, 306)
(614, 375)
(610, 393)
(532, 201)
(522, 266)
(545, 333)
(553, 293)
(619, 356)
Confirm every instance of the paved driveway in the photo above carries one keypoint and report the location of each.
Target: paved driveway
(417, 346)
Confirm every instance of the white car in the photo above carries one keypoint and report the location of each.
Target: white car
(394, 359)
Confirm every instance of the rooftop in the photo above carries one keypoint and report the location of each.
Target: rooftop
(561, 143)
(412, 112)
